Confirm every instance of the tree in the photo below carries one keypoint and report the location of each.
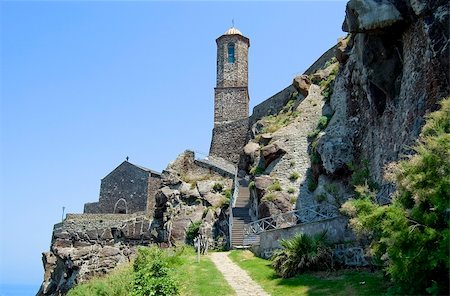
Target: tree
(411, 235)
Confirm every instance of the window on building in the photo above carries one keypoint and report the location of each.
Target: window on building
(231, 53)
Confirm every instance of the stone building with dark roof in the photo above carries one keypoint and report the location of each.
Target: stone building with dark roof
(128, 189)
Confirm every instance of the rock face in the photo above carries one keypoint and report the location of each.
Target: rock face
(88, 245)
(191, 193)
(393, 77)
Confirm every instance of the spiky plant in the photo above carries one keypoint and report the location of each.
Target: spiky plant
(302, 253)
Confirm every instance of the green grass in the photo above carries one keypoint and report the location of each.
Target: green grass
(201, 278)
(117, 283)
(193, 278)
(342, 282)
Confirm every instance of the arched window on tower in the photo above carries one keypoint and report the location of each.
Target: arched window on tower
(231, 53)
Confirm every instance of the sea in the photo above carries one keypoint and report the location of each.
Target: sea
(18, 289)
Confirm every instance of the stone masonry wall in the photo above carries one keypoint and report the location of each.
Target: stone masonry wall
(89, 245)
(229, 139)
(232, 74)
(230, 104)
(336, 228)
(272, 105)
(128, 188)
(154, 183)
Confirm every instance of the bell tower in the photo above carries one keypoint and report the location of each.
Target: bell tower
(231, 98)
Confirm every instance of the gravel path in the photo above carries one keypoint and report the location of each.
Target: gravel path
(237, 278)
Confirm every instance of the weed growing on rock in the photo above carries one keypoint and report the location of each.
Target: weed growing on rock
(275, 186)
(294, 176)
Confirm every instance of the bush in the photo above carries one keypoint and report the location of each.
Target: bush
(291, 190)
(321, 197)
(251, 185)
(312, 184)
(302, 253)
(218, 187)
(256, 170)
(152, 274)
(192, 231)
(411, 235)
(227, 193)
(294, 176)
(361, 175)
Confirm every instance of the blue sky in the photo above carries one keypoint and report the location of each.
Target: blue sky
(85, 84)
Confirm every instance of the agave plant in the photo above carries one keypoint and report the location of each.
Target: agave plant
(302, 253)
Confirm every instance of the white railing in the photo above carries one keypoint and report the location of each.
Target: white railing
(288, 219)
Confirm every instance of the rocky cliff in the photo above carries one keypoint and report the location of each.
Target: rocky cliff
(355, 114)
(339, 125)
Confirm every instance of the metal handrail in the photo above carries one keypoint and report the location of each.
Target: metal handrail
(302, 216)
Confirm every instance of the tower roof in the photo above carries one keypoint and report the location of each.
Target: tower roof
(233, 31)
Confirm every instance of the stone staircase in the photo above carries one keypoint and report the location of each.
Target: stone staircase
(241, 214)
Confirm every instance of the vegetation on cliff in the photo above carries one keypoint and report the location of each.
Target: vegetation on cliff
(411, 235)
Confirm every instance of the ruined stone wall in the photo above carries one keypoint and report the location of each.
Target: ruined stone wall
(229, 139)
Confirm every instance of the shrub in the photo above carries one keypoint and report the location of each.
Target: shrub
(302, 253)
(361, 175)
(293, 199)
(411, 235)
(152, 274)
(291, 190)
(192, 231)
(312, 184)
(294, 176)
(332, 189)
(251, 185)
(218, 187)
(321, 197)
(323, 122)
(256, 170)
(227, 193)
(275, 186)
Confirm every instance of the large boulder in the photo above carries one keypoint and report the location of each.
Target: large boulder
(274, 203)
(368, 15)
(272, 152)
(302, 84)
(261, 184)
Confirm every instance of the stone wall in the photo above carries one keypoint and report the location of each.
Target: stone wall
(89, 245)
(127, 189)
(154, 183)
(230, 104)
(337, 232)
(320, 63)
(229, 139)
(232, 74)
(272, 105)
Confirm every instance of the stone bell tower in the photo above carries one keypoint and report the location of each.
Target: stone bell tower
(231, 99)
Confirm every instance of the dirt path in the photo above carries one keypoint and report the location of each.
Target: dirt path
(237, 278)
